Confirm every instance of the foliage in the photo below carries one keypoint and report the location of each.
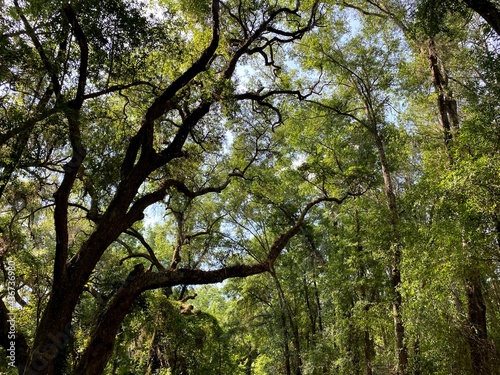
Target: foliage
(331, 167)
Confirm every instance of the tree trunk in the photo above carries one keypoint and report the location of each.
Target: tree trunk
(369, 351)
(318, 303)
(447, 106)
(416, 362)
(396, 249)
(310, 310)
(252, 355)
(478, 338)
(104, 335)
(368, 345)
(153, 362)
(286, 338)
(286, 315)
(352, 344)
(297, 352)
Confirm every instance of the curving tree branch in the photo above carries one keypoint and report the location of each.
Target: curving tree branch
(488, 10)
(103, 337)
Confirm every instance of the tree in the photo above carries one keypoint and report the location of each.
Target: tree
(436, 29)
(344, 154)
(114, 111)
(364, 71)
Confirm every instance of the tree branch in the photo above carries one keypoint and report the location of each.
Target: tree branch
(363, 11)
(103, 337)
(265, 26)
(115, 88)
(61, 196)
(488, 10)
(41, 52)
(162, 103)
(137, 255)
(338, 111)
(280, 242)
(135, 233)
(84, 54)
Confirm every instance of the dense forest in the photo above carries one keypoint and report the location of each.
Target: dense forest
(250, 187)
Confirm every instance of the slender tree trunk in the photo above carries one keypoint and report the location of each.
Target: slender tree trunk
(153, 360)
(416, 355)
(367, 341)
(297, 351)
(478, 338)
(396, 249)
(318, 303)
(316, 259)
(252, 355)
(286, 347)
(310, 311)
(352, 345)
(396, 310)
(372, 125)
(284, 328)
(287, 315)
(369, 350)
(447, 106)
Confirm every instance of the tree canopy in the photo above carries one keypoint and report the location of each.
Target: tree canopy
(249, 187)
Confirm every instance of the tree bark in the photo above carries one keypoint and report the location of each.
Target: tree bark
(488, 10)
(478, 337)
(252, 355)
(399, 331)
(416, 363)
(372, 123)
(446, 104)
(70, 275)
(310, 311)
(369, 350)
(100, 347)
(153, 362)
(287, 315)
(318, 304)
